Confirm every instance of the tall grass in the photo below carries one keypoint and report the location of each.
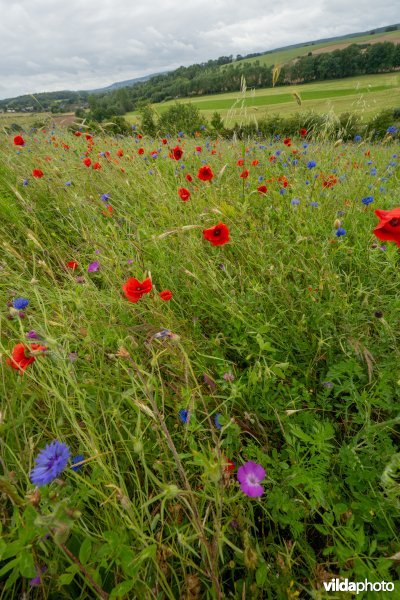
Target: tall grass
(288, 332)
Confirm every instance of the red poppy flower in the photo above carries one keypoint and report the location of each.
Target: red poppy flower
(230, 466)
(164, 141)
(262, 189)
(72, 264)
(140, 151)
(19, 359)
(77, 133)
(189, 177)
(88, 137)
(329, 182)
(388, 228)
(303, 132)
(244, 174)
(176, 153)
(38, 173)
(120, 152)
(283, 181)
(87, 162)
(134, 289)
(165, 295)
(139, 136)
(240, 162)
(217, 235)
(96, 166)
(199, 148)
(205, 173)
(184, 194)
(272, 159)
(254, 163)
(287, 142)
(19, 140)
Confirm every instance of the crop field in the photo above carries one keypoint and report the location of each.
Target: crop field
(366, 94)
(280, 57)
(199, 359)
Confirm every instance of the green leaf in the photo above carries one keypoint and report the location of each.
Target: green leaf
(262, 575)
(122, 589)
(26, 564)
(85, 551)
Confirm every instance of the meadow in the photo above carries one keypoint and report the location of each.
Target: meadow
(364, 94)
(280, 57)
(199, 365)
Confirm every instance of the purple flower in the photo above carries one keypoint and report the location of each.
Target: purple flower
(367, 200)
(51, 461)
(249, 477)
(311, 164)
(105, 197)
(93, 267)
(295, 201)
(183, 415)
(217, 421)
(36, 581)
(77, 459)
(20, 303)
(33, 335)
(340, 231)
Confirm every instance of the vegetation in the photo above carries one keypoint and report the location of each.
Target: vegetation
(278, 346)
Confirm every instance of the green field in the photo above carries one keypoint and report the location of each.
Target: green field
(366, 94)
(280, 57)
(214, 382)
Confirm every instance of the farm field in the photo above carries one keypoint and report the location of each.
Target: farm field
(280, 57)
(367, 95)
(200, 383)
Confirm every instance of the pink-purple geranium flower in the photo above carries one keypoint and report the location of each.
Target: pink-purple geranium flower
(249, 477)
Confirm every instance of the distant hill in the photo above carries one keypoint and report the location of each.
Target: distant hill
(122, 84)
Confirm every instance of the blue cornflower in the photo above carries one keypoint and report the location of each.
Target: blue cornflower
(367, 200)
(295, 162)
(282, 191)
(340, 231)
(357, 138)
(314, 204)
(261, 178)
(77, 459)
(373, 171)
(25, 182)
(105, 197)
(391, 129)
(217, 421)
(68, 183)
(305, 145)
(20, 303)
(51, 461)
(295, 201)
(311, 164)
(307, 182)
(278, 152)
(183, 414)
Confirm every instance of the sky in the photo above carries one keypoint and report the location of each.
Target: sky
(49, 45)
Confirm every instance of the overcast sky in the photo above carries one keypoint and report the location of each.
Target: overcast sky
(48, 45)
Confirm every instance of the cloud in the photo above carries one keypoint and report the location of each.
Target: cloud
(49, 45)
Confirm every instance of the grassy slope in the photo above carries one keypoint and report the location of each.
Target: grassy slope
(366, 94)
(281, 57)
(284, 307)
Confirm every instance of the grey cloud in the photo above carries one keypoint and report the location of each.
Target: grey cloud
(49, 45)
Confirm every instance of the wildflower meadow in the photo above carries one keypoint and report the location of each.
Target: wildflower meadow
(199, 364)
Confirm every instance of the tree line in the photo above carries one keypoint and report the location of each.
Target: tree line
(224, 75)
